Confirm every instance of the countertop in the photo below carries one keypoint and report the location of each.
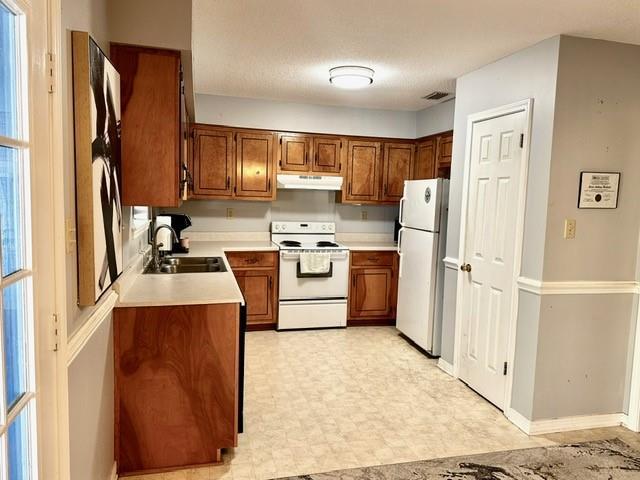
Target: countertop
(358, 245)
(156, 290)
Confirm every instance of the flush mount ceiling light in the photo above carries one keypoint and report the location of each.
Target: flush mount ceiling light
(351, 77)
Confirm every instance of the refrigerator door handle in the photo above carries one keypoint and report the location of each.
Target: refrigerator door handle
(400, 240)
(399, 264)
(400, 213)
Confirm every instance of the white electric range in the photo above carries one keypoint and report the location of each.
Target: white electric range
(311, 300)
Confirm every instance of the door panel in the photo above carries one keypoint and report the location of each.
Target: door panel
(254, 165)
(416, 286)
(327, 153)
(294, 153)
(496, 162)
(425, 164)
(370, 294)
(363, 171)
(397, 167)
(213, 164)
(257, 288)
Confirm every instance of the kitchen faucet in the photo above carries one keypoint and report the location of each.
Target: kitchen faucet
(155, 247)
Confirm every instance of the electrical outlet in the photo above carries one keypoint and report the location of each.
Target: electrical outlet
(70, 236)
(569, 229)
(363, 215)
(229, 212)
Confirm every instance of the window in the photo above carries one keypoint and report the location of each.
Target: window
(17, 395)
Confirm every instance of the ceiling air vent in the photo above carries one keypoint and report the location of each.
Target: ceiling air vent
(436, 95)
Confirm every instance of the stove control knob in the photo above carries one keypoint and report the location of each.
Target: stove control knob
(324, 227)
(284, 227)
(277, 227)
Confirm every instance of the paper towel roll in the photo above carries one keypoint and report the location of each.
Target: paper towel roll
(164, 235)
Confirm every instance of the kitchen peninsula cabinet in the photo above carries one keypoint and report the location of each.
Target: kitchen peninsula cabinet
(152, 124)
(176, 385)
(257, 277)
(232, 164)
(373, 288)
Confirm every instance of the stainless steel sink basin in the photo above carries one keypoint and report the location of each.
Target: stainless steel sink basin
(171, 265)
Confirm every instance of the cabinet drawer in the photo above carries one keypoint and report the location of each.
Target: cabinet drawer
(365, 259)
(251, 259)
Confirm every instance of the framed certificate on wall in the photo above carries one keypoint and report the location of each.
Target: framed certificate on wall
(599, 190)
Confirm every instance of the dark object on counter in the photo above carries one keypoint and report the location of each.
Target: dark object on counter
(179, 222)
(396, 229)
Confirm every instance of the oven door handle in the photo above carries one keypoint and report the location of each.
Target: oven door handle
(328, 274)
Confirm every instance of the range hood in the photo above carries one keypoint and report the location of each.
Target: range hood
(310, 182)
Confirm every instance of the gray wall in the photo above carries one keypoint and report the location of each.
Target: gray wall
(586, 341)
(530, 73)
(91, 407)
(301, 117)
(596, 127)
(436, 119)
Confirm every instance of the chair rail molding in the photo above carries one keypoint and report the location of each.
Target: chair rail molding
(450, 262)
(578, 287)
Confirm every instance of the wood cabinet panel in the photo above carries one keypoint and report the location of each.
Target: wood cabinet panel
(252, 259)
(445, 148)
(397, 167)
(370, 294)
(425, 164)
(254, 164)
(150, 116)
(327, 155)
(176, 374)
(375, 259)
(257, 286)
(213, 174)
(363, 167)
(294, 153)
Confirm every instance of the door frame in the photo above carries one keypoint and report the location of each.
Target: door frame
(521, 106)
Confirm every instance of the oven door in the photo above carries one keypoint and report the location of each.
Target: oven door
(292, 287)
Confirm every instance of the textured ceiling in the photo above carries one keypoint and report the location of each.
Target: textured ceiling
(283, 49)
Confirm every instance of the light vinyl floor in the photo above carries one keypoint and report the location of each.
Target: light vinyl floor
(333, 399)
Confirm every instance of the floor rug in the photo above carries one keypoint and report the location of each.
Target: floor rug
(599, 460)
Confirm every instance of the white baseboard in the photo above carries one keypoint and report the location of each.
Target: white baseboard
(445, 366)
(114, 472)
(565, 424)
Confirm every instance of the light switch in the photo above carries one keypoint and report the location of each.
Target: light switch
(364, 215)
(569, 229)
(229, 212)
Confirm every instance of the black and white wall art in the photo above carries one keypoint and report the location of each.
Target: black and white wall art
(96, 91)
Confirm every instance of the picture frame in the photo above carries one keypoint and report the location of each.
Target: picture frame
(96, 101)
(599, 190)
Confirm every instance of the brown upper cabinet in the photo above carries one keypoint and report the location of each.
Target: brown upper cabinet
(254, 166)
(425, 166)
(294, 152)
(232, 163)
(152, 144)
(363, 171)
(397, 167)
(443, 159)
(306, 153)
(213, 172)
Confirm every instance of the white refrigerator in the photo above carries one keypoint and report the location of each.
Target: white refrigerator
(421, 247)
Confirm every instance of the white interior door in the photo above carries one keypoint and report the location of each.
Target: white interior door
(489, 252)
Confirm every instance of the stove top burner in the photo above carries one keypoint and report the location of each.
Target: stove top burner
(290, 243)
(326, 244)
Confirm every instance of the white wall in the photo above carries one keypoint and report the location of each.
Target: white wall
(291, 205)
(299, 117)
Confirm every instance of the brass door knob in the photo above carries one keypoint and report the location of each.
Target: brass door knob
(465, 267)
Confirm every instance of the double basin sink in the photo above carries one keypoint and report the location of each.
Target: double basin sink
(169, 265)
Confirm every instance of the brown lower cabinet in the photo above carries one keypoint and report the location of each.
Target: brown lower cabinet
(176, 385)
(373, 288)
(257, 277)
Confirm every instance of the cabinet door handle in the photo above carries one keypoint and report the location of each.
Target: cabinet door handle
(373, 259)
(316, 159)
(384, 188)
(228, 182)
(349, 188)
(306, 157)
(269, 186)
(353, 280)
(270, 283)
